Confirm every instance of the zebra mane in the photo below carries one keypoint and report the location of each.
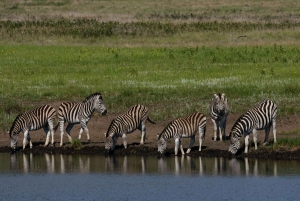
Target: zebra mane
(92, 96)
(238, 121)
(165, 129)
(14, 124)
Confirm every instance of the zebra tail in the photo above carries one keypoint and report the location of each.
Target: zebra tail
(55, 128)
(150, 120)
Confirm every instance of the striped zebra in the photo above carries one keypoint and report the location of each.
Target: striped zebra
(218, 112)
(75, 113)
(183, 128)
(262, 116)
(41, 117)
(134, 118)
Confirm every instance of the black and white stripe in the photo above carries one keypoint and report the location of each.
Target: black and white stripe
(218, 112)
(75, 113)
(41, 117)
(262, 116)
(134, 118)
(183, 128)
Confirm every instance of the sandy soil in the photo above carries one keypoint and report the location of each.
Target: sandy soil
(98, 125)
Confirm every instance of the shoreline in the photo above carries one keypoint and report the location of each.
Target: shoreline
(138, 150)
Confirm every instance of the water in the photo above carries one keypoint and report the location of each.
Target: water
(96, 177)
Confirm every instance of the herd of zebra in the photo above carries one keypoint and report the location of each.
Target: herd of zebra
(262, 116)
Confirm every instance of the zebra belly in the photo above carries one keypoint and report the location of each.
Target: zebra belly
(185, 135)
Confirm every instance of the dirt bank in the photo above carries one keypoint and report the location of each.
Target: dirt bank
(99, 124)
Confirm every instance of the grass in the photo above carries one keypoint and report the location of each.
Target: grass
(287, 143)
(171, 81)
(76, 144)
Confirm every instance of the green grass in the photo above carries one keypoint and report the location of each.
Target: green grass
(171, 56)
(171, 81)
(287, 142)
(76, 144)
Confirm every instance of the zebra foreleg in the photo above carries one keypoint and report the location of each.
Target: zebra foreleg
(29, 140)
(178, 144)
(192, 141)
(274, 129)
(124, 141)
(201, 136)
(246, 143)
(51, 131)
(255, 138)
(61, 126)
(215, 129)
(222, 126)
(26, 137)
(68, 130)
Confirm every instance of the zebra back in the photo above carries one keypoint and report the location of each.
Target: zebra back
(70, 111)
(219, 106)
(33, 120)
(186, 125)
(128, 121)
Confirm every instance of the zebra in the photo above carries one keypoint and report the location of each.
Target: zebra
(41, 117)
(218, 111)
(134, 118)
(183, 128)
(262, 116)
(75, 113)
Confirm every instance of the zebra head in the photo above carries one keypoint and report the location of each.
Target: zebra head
(97, 101)
(99, 105)
(14, 131)
(234, 143)
(110, 143)
(220, 103)
(13, 139)
(161, 144)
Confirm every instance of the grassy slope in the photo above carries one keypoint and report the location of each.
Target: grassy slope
(173, 74)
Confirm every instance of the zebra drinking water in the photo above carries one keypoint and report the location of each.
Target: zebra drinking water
(75, 113)
(218, 111)
(262, 116)
(134, 118)
(183, 128)
(41, 117)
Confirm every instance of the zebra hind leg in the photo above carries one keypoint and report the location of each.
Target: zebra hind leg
(47, 131)
(143, 132)
(267, 131)
(192, 141)
(86, 130)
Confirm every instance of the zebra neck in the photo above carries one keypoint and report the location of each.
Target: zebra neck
(87, 110)
(167, 136)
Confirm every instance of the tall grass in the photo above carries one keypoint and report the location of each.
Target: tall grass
(171, 81)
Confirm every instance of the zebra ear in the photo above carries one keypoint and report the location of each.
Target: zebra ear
(223, 96)
(157, 136)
